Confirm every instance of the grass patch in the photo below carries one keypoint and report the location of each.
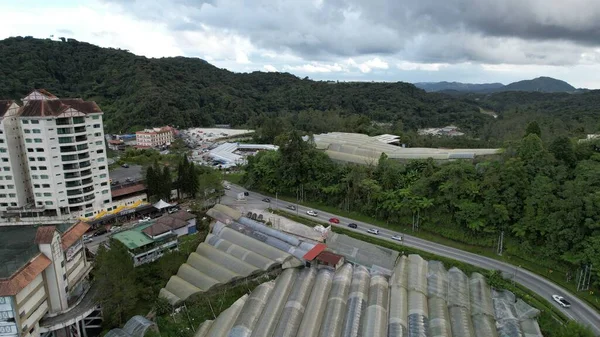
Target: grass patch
(234, 178)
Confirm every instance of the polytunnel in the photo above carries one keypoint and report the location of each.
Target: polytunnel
(397, 323)
(291, 316)
(437, 289)
(459, 304)
(357, 302)
(418, 313)
(257, 226)
(336, 303)
(243, 254)
(222, 324)
(482, 307)
(376, 315)
(317, 302)
(246, 320)
(203, 329)
(270, 316)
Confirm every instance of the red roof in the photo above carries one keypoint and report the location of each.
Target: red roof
(44, 235)
(329, 258)
(127, 190)
(73, 234)
(313, 253)
(25, 275)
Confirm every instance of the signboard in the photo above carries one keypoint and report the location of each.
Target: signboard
(73, 250)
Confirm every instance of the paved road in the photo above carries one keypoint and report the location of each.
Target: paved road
(579, 311)
(121, 174)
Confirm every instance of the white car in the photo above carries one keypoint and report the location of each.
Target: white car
(311, 213)
(373, 231)
(88, 240)
(397, 237)
(147, 218)
(562, 301)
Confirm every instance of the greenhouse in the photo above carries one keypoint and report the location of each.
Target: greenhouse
(420, 299)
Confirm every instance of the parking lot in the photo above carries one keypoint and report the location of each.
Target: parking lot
(121, 174)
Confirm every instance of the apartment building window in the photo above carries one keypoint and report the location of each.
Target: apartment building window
(29, 150)
(106, 201)
(2, 187)
(25, 121)
(26, 130)
(36, 185)
(8, 177)
(96, 126)
(2, 195)
(95, 117)
(101, 167)
(105, 192)
(48, 203)
(102, 176)
(39, 149)
(45, 185)
(43, 168)
(35, 121)
(41, 159)
(1, 141)
(13, 204)
(99, 142)
(37, 140)
(5, 160)
(12, 195)
(39, 195)
(10, 186)
(33, 176)
(36, 131)
(33, 168)
(47, 194)
(44, 176)
(98, 134)
(104, 184)
(27, 140)
(6, 168)
(31, 159)
(2, 150)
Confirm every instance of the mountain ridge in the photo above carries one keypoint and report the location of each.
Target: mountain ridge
(539, 84)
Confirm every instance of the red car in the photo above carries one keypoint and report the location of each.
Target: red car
(334, 220)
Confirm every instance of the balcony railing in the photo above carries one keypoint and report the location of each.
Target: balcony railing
(63, 121)
(79, 129)
(81, 138)
(83, 155)
(74, 192)
(78, 120)
(89, 197)
(84, 164)
(87, 181)
(67, 149)
(82, 147)
(73, 201)
(67, 167)
(64, 131)
(73, 184)
(70, 157)
(72, 175)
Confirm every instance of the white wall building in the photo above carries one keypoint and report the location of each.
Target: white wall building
(154, 137)
(44, 281)
(57, 160)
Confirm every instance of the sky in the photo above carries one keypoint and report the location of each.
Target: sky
(471, 41)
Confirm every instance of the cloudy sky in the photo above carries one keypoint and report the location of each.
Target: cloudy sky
(473, 41)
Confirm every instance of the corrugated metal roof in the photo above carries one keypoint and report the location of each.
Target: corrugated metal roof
(312, 254)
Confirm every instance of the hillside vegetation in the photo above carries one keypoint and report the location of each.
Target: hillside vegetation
(137, 92)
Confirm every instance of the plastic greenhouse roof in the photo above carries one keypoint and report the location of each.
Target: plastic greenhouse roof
(421, 299)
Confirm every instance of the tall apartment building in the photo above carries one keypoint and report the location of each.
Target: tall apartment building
(52, 157)
(44, 286)
(154, 137)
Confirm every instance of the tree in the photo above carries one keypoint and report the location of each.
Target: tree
(166, 184)
(114, 277)
(151, 181)
(563, 150)
(574, 329)
(533, 128)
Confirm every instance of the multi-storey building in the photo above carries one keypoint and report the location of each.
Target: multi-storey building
(150, 138)
(44, 287)
(53, 151)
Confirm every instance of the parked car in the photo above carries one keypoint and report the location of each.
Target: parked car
(266, 200)
(88, 240)
(334, 220)
(352, 225)
(128, 180)
(144, 219)
(125, 166)
(100, 231)
(373, 231)
(246, 193)
(561, 301)
(397, 237)
(292, 207)
(227, 187)
(311, 213)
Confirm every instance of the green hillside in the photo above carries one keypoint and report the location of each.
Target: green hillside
(136, 92)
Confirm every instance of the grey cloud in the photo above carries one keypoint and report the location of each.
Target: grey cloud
(451, 31)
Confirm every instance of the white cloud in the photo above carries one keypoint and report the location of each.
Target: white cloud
(317, 68)
(405, 65)
(269, 68)
(369, 65)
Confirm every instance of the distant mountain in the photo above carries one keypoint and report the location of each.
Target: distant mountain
(457, 86)
(540, 84)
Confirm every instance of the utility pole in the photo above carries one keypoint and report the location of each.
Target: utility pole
(276, 202)
(501, 243)
(587, 286)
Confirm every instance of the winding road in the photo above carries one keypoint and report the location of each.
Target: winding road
(579, 311)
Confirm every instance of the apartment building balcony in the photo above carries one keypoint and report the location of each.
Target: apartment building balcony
(82, 308)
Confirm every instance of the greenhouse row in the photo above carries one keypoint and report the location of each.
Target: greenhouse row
(420, 299)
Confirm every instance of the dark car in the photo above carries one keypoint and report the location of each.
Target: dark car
(266, 200)
(292, 207)
(100, 232)
(352, 225)
(125, 166)
(246, 194)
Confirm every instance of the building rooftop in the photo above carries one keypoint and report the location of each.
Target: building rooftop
(17, 248)
(135, 238)
(4, 105)
(127, 190)
(54, 108)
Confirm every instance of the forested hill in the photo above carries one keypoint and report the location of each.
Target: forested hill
(135, 91)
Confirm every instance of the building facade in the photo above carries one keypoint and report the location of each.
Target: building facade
(54, 157)
(151, 138)
(44, 281)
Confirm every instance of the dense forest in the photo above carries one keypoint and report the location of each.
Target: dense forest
(135, 91)
(543, 196)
